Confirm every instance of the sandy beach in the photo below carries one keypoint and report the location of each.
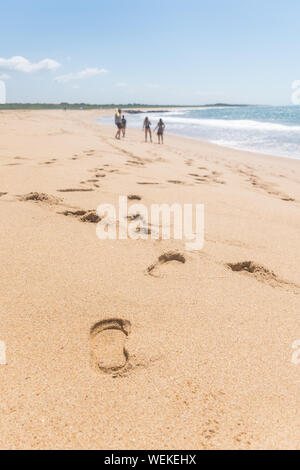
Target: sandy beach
(208, 336)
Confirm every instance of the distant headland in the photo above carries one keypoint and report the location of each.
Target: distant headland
(131, 108)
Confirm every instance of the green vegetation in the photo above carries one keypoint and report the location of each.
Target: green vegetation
(30, 106)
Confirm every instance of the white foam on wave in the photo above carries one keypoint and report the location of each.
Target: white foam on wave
(268, 137)
(235, 124)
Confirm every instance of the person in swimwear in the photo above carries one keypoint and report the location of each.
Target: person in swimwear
(160, 131)
(147, 129)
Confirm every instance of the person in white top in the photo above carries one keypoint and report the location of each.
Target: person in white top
(118, 122)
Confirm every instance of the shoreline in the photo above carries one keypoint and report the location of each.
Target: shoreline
(257, 153)
(204, 141)
(110, 112)
(197, 139)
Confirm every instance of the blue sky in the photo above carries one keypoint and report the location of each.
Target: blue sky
(165, 52)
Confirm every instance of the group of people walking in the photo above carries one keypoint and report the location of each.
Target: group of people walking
(121, 124)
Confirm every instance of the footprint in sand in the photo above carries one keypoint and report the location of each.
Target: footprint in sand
(134, 197)
(84, 216)
(107, 342)
(134, 163)
(262, 274)
(49, 162)
(207, 177)
(269, 189)
(40, 197)
(252, 268)
(89, 153)
(176, 182)
(163, 259)
(75, 190)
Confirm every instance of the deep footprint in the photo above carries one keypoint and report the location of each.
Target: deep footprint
(134, 197)
(107, 339)
(263, 274)
(166, 258)
(252, 268)
(40, 197)
(84, 216)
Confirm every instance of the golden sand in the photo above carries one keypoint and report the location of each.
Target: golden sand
(196, 356)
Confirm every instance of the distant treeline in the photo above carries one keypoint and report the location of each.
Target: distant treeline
(102, 106)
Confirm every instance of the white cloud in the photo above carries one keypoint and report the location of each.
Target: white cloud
(4, 76)
(2, 94)
(121, 85)
(152, 85)
(21, 64)
(87, 73)
(296, 84)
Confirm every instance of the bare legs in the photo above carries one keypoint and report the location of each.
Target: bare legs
(148, 131)
(160, 138)
(118, 134)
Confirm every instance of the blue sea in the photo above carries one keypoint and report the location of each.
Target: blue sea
(271, 130)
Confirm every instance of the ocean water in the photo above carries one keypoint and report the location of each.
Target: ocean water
(271, 130)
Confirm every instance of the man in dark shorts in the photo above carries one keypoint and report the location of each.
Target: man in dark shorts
(124, 125)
